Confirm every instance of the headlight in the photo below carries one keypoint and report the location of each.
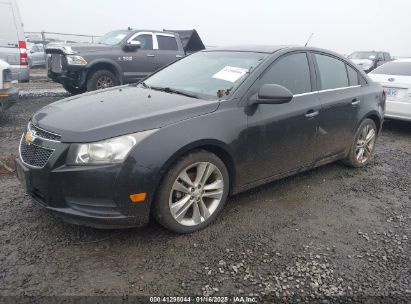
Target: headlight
(76, 60)
(109, 151)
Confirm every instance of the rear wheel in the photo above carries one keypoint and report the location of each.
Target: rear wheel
(192, 193)
(363, 146)
(73, 89)
(101, 79)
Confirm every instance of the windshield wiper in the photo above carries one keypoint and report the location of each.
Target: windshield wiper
(175, 91)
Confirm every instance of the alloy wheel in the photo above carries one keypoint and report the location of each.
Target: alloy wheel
(104, 82)
(365, 144)
(196, 193)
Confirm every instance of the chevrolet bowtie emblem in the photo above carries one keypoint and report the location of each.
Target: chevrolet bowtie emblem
(29, 138)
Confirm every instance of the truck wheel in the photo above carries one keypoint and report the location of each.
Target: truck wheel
(73, 89)
(101, 79)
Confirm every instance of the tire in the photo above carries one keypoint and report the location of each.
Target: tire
(355, 158)
(72, 89)
(201, 205)
(101, 79)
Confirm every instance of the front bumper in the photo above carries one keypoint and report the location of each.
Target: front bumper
(8, 98)
(95, 196)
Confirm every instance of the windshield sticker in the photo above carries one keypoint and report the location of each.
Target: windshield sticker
(120, 36)
(231, 74)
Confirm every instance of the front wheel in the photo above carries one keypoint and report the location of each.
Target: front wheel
(193, 193)
(101, 79)
(363, 145)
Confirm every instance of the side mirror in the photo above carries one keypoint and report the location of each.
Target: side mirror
(272, 94)
(32, 51)
(133, 45)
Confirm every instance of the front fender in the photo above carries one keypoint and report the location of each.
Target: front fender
(94, 65)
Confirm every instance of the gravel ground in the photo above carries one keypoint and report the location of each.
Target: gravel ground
(330, 234)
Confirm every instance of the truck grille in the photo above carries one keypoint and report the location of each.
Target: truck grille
(34, 155)
(56, 64)
(43, 133)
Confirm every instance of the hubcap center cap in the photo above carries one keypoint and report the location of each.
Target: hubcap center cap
(197, 193)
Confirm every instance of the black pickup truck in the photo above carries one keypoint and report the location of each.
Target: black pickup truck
(119, 57)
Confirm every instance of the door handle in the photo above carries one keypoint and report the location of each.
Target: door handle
(151, 55)
(311, 114)
(355, 102)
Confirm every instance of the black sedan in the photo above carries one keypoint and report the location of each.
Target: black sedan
(211, 125)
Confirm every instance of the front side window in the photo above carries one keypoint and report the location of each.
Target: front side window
(146, 41)
(332, 72)
(291, 71)
(167, 43)
(208, 74)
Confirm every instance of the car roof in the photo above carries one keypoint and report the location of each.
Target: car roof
(403, 60)
(250, 48)
(269, 49)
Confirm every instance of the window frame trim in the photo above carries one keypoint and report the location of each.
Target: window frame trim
(145, 33)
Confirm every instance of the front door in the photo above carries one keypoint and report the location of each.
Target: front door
(282, 137)
(138, 64)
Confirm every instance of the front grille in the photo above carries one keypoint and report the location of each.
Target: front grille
(34, 155)
(56, 63)
(43, 133)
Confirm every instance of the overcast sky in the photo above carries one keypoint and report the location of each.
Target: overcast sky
(342, 26)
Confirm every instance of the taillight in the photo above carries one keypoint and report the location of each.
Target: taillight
(23, 53)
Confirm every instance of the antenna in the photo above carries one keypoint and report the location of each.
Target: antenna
(309, 38)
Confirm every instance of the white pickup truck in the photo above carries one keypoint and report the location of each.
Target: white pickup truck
(8, 94)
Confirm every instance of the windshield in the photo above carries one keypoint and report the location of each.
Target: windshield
(394, 68)
(361, 55)
(213, 74)
(113, 38)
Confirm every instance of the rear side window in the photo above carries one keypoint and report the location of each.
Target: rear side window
(332, 72)
(352, 76)
(146, 41)
(292, 72)
(167, 43)
(387, 56)
(394, 68)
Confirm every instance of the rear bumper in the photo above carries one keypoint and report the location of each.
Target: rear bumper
(8, 98)
(21, 73)
(398, 110)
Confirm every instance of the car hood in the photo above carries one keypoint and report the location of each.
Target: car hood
(74, 48)
(117, 111)
(362, 61)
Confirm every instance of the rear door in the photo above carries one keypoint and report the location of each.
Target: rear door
(141, 62)
(340, 95)
(169, 49)
(282, 137)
